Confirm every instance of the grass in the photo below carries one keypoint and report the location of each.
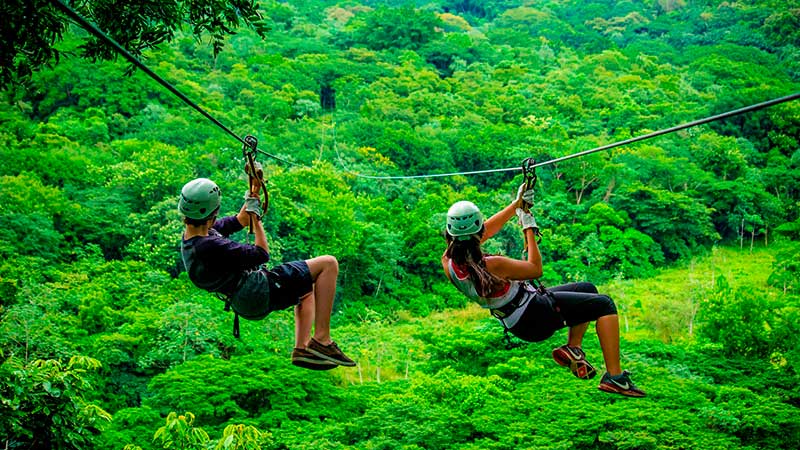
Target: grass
(662, 307)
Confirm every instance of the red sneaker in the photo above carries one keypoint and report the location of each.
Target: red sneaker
(575, 359)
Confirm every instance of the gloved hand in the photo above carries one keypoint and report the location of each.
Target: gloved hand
(526, 195)
(253, 205)
(526, 219)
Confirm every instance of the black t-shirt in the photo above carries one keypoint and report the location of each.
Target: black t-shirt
(216, 263)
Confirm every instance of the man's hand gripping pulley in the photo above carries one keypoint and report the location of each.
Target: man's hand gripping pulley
(256, 181)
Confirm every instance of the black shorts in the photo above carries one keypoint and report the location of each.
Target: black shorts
(288, 283)
(264, 291)
(571, 304)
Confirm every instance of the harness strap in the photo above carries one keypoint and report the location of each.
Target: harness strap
(506, 310)
(551, 299)
(227, 308)
(519, 300)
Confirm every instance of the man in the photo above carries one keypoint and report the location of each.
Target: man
(218, 264)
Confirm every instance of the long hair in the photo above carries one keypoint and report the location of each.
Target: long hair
(468, 254)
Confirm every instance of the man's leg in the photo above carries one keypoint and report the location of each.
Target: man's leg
(303, 319)
(324, 271)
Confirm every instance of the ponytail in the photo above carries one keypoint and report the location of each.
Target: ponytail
(468, 254)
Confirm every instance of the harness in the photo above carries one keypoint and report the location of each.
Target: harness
(527, 289)
(503, 312)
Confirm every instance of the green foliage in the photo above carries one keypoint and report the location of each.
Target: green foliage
(786, 273)
(180, 433)
(396, 28)
(748, 323)
(42, 403)
(93, 162)
(30, 44)
(677, 222)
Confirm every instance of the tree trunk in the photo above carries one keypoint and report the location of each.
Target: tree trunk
(378, 369)
(741, 235)
(609, 189)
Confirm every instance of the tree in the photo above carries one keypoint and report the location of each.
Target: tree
(42, 404)
(31, 29)
(403, 28)
(678, 222)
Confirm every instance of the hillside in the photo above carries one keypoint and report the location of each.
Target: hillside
(372, 118)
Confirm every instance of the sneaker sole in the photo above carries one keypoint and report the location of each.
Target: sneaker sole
(580, 368)
(331, 359)
(313, 364)
(627, 393)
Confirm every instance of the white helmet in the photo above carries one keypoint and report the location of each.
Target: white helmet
(463, 220)
(199, 198)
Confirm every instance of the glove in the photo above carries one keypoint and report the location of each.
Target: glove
(253, 205)
(526, 195)
(526, 219)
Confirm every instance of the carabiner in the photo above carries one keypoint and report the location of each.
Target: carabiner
(529, 172)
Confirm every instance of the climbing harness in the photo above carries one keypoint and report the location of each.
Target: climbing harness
(256, 184)
(527, 288)
(506, 310)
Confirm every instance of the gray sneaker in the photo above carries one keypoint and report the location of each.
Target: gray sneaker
(330, 352)
(620, 384)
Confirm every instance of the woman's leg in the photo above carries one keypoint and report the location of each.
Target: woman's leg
(582, 286)
(575, 336)
(608, 333)
(576, 332)
(324, 271)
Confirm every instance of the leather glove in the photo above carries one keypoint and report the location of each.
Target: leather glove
(526, 195)
(253, 206)
(526, 219)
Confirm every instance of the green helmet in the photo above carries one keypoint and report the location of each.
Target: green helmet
(199, 198)
(463, 220)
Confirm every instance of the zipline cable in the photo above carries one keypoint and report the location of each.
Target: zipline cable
(121, 50)
(88, 26)
(694, 123)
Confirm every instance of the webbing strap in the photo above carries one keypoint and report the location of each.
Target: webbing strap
(227, 308)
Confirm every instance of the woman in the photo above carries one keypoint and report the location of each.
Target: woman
(499, 283)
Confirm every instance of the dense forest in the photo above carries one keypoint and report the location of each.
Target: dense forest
(106, 344)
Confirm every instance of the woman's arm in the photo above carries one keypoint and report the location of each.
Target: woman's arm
(495, 223)
(514, 269)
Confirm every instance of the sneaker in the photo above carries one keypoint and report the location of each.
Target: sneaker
(307, 360)
(330, 352)
(620, 384)
(575, 359)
